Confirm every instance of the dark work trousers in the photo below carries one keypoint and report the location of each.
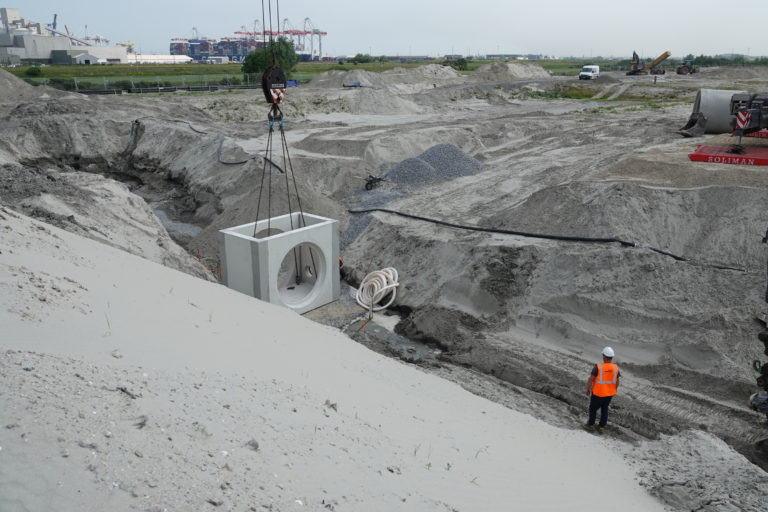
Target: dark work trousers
(595, 403)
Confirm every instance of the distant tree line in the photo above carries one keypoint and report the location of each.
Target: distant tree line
(720, 60)
(364, 58)
(705, 61)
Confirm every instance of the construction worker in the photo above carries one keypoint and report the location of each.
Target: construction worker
(601, 386)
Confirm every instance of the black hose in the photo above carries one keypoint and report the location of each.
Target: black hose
(563, 238)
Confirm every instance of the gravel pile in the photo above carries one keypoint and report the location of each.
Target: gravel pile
(357, 224)
(441, 162)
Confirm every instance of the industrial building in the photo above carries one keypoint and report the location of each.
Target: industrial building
(26, 41)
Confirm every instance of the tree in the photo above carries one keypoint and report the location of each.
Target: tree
(457, 64)
(383, 58)
(361, 58)
(259, 60)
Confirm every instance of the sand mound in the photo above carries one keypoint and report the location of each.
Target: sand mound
(14, 90)
(432, 73)
(423, 76)
(510, 71)
(338, 78)
(441, 162)
(10, 83)
(702, 450)
(734, 72)
(378, 102)
(561, 209)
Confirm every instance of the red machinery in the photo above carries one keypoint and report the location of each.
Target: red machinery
(749, 118)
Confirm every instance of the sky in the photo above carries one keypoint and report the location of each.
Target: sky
(562, 28)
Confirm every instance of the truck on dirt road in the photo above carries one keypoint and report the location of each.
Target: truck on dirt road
(589, 73)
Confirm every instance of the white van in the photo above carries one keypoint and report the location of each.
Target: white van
(589, 73)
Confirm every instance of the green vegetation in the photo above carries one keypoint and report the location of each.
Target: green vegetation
(285, 57)
(152, 75)
(142, 81)
(361, 59)
(127, 70)
(571, 67)
(195, 74)
(738, 60)
(457, 64)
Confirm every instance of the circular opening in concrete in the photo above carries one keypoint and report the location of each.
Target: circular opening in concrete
(266, 233)
(301, 269)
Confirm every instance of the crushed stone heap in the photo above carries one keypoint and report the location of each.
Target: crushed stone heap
(441, 162)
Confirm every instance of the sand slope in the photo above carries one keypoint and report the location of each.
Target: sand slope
(143, 388)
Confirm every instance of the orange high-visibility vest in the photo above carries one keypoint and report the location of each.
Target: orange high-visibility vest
(606, 380)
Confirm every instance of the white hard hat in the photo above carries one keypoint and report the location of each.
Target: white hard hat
(608, 352)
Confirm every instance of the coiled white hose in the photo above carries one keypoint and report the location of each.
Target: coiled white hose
(375, 287)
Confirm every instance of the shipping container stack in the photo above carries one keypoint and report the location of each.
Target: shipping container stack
(235, 48)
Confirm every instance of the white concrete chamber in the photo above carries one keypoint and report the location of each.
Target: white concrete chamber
(266, 265)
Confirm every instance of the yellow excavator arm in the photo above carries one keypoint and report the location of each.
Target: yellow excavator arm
(658, 60)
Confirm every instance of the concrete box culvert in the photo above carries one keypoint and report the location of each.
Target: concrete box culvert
(264, 266)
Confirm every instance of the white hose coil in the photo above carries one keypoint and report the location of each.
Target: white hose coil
(375, 287)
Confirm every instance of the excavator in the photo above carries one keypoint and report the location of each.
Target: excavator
(638, 67)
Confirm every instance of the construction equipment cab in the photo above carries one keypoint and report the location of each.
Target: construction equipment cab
(589, 73)
(687, 67)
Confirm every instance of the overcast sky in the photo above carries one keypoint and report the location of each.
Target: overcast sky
(437, 27)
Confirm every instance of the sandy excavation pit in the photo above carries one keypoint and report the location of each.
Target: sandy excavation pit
(517, 319)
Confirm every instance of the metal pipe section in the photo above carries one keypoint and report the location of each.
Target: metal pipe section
(715, 104)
